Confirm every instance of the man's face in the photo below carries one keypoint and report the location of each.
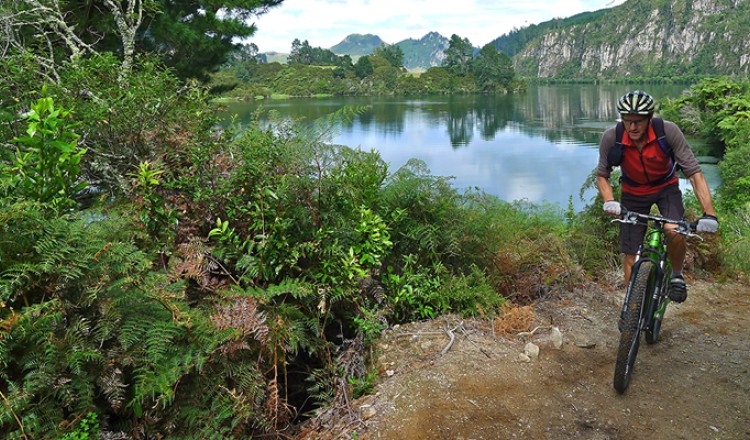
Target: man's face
(636, 126)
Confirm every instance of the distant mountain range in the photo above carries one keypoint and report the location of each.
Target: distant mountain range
(418, 54)
(677, 37)
(421, 54)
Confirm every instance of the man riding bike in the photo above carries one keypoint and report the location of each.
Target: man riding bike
(649, 152)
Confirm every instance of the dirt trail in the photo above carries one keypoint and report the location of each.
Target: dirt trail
(480, 387)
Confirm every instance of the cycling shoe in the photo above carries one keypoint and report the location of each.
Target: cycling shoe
(677, 289)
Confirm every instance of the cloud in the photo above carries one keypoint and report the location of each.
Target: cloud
(324, 23)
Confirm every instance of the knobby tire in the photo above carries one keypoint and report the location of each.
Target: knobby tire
(652, 334)
(630, 336)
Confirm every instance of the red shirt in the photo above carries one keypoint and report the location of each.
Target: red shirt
(646, 166)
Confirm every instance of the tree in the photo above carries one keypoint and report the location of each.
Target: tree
(246, 53)
(392, 53)
(196, 36)
(458, 55)
(363, 67)
(192, 36)
(492, 69)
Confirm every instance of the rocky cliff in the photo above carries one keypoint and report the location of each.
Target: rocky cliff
(646, 38)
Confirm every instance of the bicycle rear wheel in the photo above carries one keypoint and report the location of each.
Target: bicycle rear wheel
(630, 336)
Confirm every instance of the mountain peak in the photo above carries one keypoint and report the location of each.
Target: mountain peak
(357, 45)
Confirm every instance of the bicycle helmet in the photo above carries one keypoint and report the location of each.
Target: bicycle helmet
(636, 103)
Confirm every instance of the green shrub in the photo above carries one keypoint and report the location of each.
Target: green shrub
(47, 161)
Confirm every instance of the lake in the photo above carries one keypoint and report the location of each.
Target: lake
(538, 146)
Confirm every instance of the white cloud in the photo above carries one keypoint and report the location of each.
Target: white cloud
(324, 23)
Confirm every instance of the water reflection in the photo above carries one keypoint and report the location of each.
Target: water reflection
(540, 146)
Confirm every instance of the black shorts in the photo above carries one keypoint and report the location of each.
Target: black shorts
(669, 202)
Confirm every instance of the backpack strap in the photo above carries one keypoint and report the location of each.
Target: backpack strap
(614, 156)
(661, 136)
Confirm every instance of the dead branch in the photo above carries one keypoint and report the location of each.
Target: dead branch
(450, 343)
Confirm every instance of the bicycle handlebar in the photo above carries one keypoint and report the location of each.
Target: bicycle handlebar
(684, 227)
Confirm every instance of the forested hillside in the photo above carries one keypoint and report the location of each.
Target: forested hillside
(426, 52)
(669, 38)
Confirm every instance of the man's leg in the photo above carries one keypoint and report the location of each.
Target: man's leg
(676, 250)
(631, 236)
(627, 264)
(671, 206)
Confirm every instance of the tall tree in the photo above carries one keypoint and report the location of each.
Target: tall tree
(196, 36)
(459, 55)
(192, 36)
(363, 67)
(392, 53)
(492, 69)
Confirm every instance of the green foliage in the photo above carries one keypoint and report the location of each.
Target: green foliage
(303, 53)
(363, 67)
(155, 214)
(370, 324)
(719, 109)
(87, 429)
(46, 166)
(89, 326)
(363, 385)
(376, 74)
(150, 116)
(459, 56)
(393, 54)
(493, 69)
(289, 250)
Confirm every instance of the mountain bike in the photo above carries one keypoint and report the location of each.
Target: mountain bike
(646, 297)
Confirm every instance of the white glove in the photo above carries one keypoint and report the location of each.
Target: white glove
(612, 207)
(707, 223)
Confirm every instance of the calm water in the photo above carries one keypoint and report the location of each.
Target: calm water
(540, 146)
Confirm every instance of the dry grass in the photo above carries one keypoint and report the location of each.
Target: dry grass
(514, 319)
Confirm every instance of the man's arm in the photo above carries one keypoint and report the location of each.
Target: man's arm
(700, 187)
(605, 188)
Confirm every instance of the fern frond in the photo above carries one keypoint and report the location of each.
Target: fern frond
(242, 314)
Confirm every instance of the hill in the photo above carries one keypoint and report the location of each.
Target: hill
(516, 40)
(672, 38)
(275, 57)
(356, 45)
(420, 53)
(424, 53)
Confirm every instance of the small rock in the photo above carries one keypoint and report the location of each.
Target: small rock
(531, 350)
(389, 373)
(524, 358)
(367, 412)
(556, 337)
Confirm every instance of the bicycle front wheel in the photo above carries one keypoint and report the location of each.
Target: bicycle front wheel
(630, 336)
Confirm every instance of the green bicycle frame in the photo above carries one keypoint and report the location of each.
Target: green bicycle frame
(656, 251)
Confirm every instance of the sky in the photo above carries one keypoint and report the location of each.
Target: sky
(325, 23)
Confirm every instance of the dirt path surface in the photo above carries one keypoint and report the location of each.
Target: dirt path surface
(693, 384)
